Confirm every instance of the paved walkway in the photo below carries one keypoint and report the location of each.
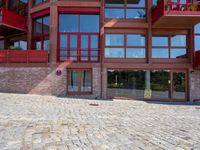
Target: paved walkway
(30, 122)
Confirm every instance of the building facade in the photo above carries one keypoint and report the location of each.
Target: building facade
(132, 49)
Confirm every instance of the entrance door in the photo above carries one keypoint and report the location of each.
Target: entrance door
(79, 81)
(179, 87)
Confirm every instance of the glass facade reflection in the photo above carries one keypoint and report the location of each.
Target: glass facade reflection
(137, 83)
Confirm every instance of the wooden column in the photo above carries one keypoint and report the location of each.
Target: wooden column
(53, 35)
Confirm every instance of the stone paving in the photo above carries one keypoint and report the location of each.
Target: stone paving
(31, 122)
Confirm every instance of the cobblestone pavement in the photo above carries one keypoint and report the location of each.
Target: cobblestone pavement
(30, 122)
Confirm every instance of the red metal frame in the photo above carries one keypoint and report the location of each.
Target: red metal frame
(41, 37)
(125, 6)
(79, 34)
(169, 47)
(125, 45)
(19, 56)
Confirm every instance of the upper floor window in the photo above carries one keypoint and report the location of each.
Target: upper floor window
(36, 2)
(125, 46)
(79, 37)
(40, 35)
(197, 37)
(173, 46)
(125, 9)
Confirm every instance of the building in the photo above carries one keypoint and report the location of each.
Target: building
(136, 49)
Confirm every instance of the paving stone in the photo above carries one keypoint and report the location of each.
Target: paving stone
(31, 122)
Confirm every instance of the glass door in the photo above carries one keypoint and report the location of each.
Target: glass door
(79, 81)
(179, 91)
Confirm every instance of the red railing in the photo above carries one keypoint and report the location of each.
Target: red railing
(178, 6)
(19, 56)
(13, 19)
(175, 8)
(197, 60)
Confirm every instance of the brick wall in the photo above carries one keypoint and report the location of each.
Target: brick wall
(194, 85)
(43, 81)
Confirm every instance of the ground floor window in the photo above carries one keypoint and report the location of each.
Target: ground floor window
(79, 81)
(153, 84)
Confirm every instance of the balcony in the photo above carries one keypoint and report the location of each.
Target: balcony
(20, 56)
(176, 15)
(197, 60)
(11, 23)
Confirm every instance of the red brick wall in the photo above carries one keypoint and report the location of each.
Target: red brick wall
(43, 81)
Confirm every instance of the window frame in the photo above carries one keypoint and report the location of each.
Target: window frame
(196, 34)
(125, 7)
(43, 35)
(170, 47)
(79, 49)
(79, 92)
(125, 46)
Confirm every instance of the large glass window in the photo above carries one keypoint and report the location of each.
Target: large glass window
(40, 35)
(197, 37)
(170, 46)
(79, 81)
(153, 84)
(79, 37)
(125, 9)
(125, 46)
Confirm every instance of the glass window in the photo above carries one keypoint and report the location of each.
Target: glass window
(197, 43)
(89, 23)
(114, 52)
(160, 84)
(114, 2)
(80, 28)
(114, 13)
(178, 53)
(85, 84)
(73, 81)
(126, 83)
(197, 28)
(135, 52)
(37, 26)
(135, 13)
(46, 24)
(68, 23)
(20, 44)
(114, 39)
(86, 81)
(175, 48)
(137, 3)
(1, 44)
(40, 33)
(178, 40)
(63, 41)
(160, 53)
(125, 9)
(135, 40)
(179, 85)
(160, 41)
